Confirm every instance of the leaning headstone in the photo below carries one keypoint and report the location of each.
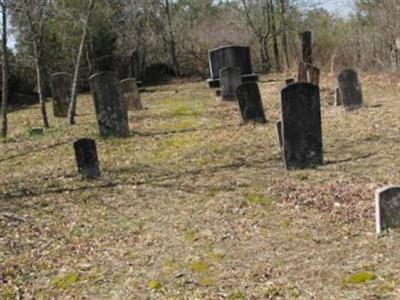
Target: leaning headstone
(129, 92)
(112, 118)
(86, 158)
(279, 132)
(306, 46)
(338, 98)
(230, 80)
(250, 103)
(301, 126)
(350, 89)
(230, 56)
(387, 208)
(61, 84)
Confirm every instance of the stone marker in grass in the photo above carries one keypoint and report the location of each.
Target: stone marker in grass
(279, 132)
(230, 80)
(350, 89)
(86, 158)
(250, 103)
(387, 208)
(301, 126)
(290, 81)
(308, 74)
(129, 92)
(338, 98)
(61, 84)
(112, 116)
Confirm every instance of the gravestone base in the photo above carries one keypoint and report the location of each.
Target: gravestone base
(215, 83)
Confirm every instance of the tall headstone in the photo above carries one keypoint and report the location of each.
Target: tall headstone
(61, 84)
(301, 126)
(86, 158)
(387, 208)
(129, 92)
(350, 89)
(230, 80)
(306, 46)
(112, 118)
(250, 103)
(230, 56)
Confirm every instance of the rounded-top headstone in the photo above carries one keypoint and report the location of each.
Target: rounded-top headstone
(350, 89)
(112, 116)
(250, 103)
(129, 92)
(61, 84)
(230, 80)
(301, 126)
(387, 208)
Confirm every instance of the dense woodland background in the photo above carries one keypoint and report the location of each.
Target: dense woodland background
(179, 34)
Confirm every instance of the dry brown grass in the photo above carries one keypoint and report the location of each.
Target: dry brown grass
(195, 206)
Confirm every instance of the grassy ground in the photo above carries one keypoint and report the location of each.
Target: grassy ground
(195, 206)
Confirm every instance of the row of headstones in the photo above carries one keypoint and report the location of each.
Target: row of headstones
(127, 91)
(387, 199)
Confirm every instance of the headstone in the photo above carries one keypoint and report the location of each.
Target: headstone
(306, 46)
(231, 79)
(250, 103)
(387, 208)
(338, 98)
(279, 132)
(308, 74)
(86, 158)
(112, 118)
(61, 84)
(394, 59)
(301, 126)
(350, 89)
(230, 56)
(129, 92)
(290, 81)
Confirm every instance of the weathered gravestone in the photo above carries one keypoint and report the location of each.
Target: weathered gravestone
(308, 74)
(230, 56)
(350, 89)
(112, 118)
(338, 98)
(61, 84)
(301, 126)
(279, 132)
(387, 208)
(306, 46)
(250, 103)
(129, 92)
(230, 80)
(86, 158)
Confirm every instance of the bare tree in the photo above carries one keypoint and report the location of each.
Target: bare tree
(5, 67)
(74, 90)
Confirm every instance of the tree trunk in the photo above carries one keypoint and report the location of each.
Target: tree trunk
(275, 37)
(172, 43)
(39, 72)
(4, 72)
(285, 33)
(74, 89)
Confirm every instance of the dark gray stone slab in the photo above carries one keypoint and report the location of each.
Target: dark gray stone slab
(250, 103)
(230, 80)
(61, 85)
(301, 126)
(129, 91)
(112, 118)
(230, 56)
(350, 89)
(86, 158)
(387, 208)
(306, 46)
(279, 132)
